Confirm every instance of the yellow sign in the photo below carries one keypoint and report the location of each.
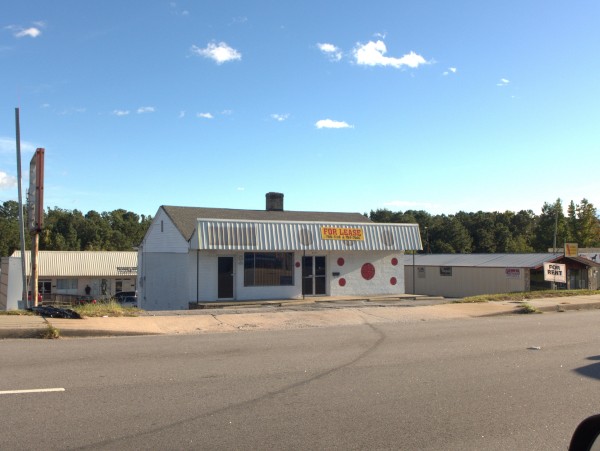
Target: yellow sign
(571, 250)
(342, 233)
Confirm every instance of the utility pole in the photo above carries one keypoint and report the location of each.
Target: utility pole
(553, 284)
(21, 222)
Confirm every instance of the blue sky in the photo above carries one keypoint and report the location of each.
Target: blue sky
(341, 105)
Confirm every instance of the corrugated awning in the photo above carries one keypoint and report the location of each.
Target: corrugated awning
(83, 263)
(216, 234)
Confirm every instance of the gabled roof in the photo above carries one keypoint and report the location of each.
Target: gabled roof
(584, 261)
(185, 218)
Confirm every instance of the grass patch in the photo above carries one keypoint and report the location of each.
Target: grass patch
(528, 308)
(16, 313)
(527, 295)
(51, 333)
(110, 308)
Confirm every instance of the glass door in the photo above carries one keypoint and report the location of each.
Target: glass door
(314, 276)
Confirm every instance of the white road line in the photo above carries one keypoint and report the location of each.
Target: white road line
(34, 390)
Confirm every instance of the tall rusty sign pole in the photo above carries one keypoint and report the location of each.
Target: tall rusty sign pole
(35, 213)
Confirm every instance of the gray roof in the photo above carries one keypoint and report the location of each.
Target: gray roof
(185, 218)
(483, 260)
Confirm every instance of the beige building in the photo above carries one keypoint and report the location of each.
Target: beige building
(100, 274)
(461, 275)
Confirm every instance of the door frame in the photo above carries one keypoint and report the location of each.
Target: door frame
(220, 279)
(313, 276)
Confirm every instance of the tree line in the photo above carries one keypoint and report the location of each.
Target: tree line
(508, 232)
(71, 230)
(480, 232)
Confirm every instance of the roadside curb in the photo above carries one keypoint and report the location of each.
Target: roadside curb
(567, 306)
(34, 326)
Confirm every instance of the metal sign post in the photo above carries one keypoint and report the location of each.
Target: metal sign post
(35, 209)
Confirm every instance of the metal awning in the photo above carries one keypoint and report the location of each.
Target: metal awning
(240, 235)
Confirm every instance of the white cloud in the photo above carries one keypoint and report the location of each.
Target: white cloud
(450, 70)
(32, 32)
(331, 51)
(205, 115)
(329, 123)
(503, 82)
(120, 112)
(146, 109)
(280, 117)
(72, 110)
(9, 146)
(220, 53)
(373, 54)
(7, 181)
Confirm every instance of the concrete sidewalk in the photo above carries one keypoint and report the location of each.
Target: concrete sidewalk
(221, 320)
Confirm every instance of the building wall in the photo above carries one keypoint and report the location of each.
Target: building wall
(465, 281)
(163, 236)
(11, 283)
(171, 280)
(387, 279)
(165, 282)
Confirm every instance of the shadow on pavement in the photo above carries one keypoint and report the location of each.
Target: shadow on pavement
(592, 371)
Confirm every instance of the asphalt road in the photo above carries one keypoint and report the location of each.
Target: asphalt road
(516, 382)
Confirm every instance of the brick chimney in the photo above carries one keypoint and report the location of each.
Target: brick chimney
(274, 201)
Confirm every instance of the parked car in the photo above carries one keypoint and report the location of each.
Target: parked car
(126, 298)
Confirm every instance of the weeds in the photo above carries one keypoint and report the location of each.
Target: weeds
(110, 308)
(16, 312)
(51, 332)
(527, 295)
(528, 308)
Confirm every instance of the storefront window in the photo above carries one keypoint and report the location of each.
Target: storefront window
(66, 286)
(268, 269)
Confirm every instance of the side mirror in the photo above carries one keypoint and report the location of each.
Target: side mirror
(587, 435)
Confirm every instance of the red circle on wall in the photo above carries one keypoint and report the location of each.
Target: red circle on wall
(393, 281)
(367, 271)
(342, 282)
(297, 264)
(394, 261)
(340, 261)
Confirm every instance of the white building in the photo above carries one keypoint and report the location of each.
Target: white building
(69, 273)
(208, 254)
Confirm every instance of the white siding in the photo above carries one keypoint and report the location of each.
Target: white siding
(11, 289)
(163, 236)
(355, 284)
(382, 283)
(208, 281)
(166, 283)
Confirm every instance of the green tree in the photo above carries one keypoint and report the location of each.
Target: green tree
(550, 222)
(588, 226)
(10, 237)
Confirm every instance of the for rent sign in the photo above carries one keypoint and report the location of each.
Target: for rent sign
(342, 233)
(555, 272)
